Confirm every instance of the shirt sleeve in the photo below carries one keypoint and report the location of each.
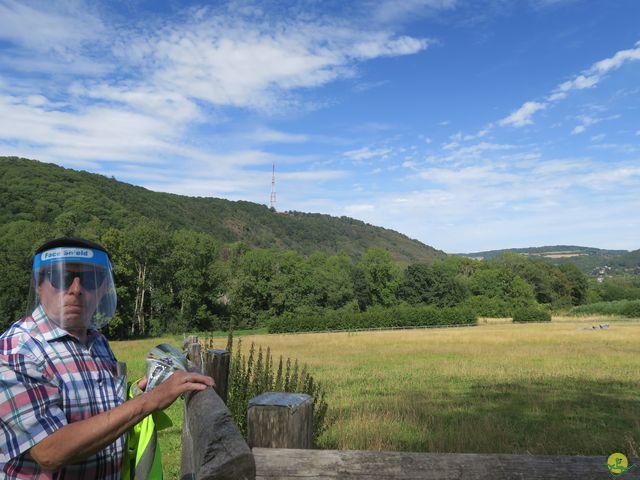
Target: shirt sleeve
(30, 404)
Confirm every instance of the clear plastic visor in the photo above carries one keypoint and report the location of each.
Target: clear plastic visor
(74, 287)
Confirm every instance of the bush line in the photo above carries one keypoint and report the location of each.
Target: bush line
(626, 308)
(402, 316)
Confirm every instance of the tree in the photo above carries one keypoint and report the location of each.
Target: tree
(148, 245)
(197, 280)
(18, 242)
(578, 282)
(502, 284)
(381, 276)
(438, 284)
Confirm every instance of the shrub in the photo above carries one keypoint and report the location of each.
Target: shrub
(485, 306)
(631, 309)
(617, 307)
(375, 317)
(252, 375)
(531, 314)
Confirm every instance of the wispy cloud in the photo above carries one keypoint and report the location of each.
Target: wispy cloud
(367, 153)
(173, 75)
(587, 79)
(522, 116)
(388, 11)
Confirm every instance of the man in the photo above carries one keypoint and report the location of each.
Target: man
(62, 399)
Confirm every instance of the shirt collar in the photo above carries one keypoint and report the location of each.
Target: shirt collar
(48, 330)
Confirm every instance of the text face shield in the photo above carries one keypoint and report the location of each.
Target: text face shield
(74, 286)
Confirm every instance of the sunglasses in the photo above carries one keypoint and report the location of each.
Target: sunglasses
(61, 279)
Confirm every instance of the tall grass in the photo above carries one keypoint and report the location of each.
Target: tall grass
(256, 372)
(551, 388)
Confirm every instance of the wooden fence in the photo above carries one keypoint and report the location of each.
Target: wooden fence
(280, 436)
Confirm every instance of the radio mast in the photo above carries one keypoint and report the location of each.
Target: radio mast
(273, 185)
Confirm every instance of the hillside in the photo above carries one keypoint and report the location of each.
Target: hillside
(590, 260)
(65, 198)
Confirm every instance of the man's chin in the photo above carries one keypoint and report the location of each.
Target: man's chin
(74, 322)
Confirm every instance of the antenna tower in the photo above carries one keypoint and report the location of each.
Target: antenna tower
(273, 186)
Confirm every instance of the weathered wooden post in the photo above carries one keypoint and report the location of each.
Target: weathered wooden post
(280, 420)
(186, 341)
(212, 445)
(195, 355)
(216, 365)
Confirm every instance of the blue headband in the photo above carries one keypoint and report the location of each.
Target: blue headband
(71, 255)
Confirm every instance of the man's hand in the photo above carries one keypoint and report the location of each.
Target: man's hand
(142, 383)
(180, 382)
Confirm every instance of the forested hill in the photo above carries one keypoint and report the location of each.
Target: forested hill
(588, 259)
(72, 201)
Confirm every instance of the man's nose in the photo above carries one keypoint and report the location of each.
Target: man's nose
(75, 286)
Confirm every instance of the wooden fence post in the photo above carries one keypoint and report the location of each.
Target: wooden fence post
(212, 445)
(186, 341)
(195, 355)
(217, 367)
(280, 420)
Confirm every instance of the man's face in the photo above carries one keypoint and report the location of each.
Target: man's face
(69, 294)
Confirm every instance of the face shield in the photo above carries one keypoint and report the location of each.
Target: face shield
(74, 286)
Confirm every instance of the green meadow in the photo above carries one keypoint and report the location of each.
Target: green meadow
(545, 388)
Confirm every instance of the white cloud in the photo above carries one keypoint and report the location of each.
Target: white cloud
(607, 179)
(477, 175)
(588, 79)
(592, 76)
(314, 176)
(409, 164)
(170, 76)
(390, 11)
(44, 27)
(522, 116)
(366, 153)
(231, 61)
(579, 129)
(267, 135)
(358, 208)
(458, 154)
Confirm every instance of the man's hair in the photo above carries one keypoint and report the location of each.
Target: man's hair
(71, 242)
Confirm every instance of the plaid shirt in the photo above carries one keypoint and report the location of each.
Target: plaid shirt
(47, 380)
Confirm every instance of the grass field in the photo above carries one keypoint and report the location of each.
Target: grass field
(553, 388)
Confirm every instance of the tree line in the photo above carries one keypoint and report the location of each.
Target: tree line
(174, 281)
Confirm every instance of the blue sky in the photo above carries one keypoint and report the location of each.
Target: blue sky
(468, 125)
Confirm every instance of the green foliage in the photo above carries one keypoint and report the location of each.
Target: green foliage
(531, 314)
(485, 306)
(631, 309)
(588, 260)
(628, 308)
(579, 284)
(375, 317)
(619, 288)
(380, 277)
(73, 202)
(499, 282)
(441, 284)
(256, 373)
(185, 264)
(18, 242)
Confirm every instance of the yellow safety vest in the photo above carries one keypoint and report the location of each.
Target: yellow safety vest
(142, 458)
